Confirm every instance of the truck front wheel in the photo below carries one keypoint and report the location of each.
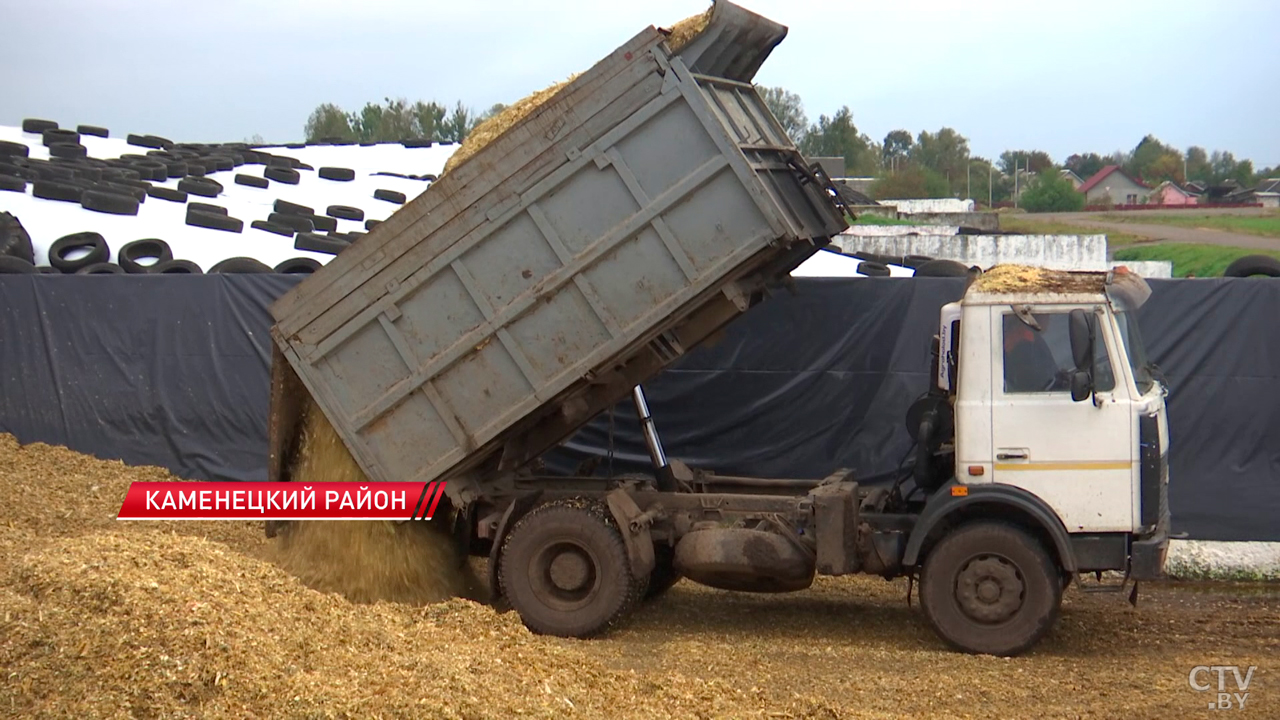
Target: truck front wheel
(566, 571)
(990, 588)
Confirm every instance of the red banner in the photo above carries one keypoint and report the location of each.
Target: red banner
(281, 501)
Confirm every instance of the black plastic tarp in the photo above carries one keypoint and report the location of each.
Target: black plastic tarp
(820, 380)
(173, 371)
(165, 370)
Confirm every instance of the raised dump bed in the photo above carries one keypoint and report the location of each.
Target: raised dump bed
(637, 211)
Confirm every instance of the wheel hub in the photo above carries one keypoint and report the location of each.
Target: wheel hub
(989, 589)
(565, 576)
(569, 571)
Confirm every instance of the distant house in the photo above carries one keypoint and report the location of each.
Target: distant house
(1266, 194)
(832, 166)
(1169, 193)
(1076, 182)
(1111, 185)
(1222, 192)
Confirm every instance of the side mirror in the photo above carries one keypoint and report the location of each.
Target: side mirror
(1081, 386)
(1081, 328)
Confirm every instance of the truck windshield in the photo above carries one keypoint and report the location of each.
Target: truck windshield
(1134, 348)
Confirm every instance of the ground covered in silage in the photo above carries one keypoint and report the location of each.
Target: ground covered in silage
(163, 620)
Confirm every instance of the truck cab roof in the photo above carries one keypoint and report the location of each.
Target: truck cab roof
(1024, 284)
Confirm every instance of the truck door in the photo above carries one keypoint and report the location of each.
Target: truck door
(1076, 456)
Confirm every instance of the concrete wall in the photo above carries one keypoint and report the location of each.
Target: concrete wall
(894, 230)
(980, 220)
(931, 205)
(1147, 268)
(1057, 252)
(1212, 560)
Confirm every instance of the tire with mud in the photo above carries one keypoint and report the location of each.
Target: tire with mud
(565, 569)
(990, 588)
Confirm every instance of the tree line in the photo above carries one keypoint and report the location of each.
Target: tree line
(939, 164)
(905, 165)
(394, 121)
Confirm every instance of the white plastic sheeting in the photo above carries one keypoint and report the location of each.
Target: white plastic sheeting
(826, 263)
(48, 220)
(931, 205)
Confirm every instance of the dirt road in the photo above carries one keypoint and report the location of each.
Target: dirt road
(852, 646)
(1169, 233)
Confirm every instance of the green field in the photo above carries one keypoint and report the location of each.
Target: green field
(869, 219)
(1264, 225)
(1190, 259)
(1032, 226)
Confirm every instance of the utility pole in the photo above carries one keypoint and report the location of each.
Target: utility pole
(968, 181)
(1015, 183)
(991, 169)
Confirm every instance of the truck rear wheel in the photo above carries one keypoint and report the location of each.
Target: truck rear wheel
(566, 571)
(990, 588)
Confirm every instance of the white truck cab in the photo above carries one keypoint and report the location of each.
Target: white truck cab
(1043, 453)
(1053, 394)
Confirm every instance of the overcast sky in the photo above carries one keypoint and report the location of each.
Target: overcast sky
(1064, 77)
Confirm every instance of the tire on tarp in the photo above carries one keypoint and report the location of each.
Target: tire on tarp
(129, 255)
(941, 268)
(99, 251)
(240, 265)
(1253, 265)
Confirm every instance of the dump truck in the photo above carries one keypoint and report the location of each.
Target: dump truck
(627, 220)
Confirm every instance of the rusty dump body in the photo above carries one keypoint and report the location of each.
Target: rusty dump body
(648, 203)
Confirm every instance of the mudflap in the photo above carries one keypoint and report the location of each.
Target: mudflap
(289, 402)
(516, 510)
(635, 534)
(1147, 558)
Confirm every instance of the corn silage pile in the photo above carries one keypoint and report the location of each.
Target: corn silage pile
(1025, 278)
(100, 618)
(366, 561)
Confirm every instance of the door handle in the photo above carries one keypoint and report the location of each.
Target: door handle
(1012, 455)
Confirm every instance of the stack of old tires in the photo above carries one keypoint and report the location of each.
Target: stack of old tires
(87, 253)
(874, 265)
